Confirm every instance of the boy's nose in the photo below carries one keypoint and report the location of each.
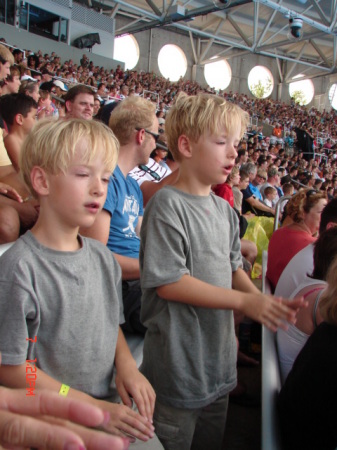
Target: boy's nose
(98, 187)
(232, 153)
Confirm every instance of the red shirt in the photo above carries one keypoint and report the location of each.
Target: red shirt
(225, 191)
(283, 245)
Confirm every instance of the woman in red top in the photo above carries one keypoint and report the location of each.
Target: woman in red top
(304, 209)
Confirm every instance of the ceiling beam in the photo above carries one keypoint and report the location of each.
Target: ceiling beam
(153, 7)
(320, 53)
(286, 11)
(266, 27)
(193, 48)
(292, 68)
(319, 11)
(114, 11)
(239, 31)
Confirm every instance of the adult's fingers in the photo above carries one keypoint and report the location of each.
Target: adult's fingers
(50, 403)
(22, 432)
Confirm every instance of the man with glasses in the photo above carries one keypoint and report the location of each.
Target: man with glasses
(118, 225)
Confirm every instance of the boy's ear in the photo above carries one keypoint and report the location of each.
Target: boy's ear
(18, 118)
(39, 180)
(185, 146)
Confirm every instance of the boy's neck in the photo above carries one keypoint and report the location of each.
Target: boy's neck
(186, 182)
(56, 238)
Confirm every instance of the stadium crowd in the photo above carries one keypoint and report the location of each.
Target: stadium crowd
(287, 150)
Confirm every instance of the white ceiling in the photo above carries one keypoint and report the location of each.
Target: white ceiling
(239, 27)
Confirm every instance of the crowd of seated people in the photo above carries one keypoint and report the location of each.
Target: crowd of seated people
(265, 169)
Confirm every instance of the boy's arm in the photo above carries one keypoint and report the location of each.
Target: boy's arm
(130, 382)
(242, 282)
(122, 418)
(269, 311)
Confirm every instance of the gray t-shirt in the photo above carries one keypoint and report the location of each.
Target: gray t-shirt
(189, 352)
(71, 302)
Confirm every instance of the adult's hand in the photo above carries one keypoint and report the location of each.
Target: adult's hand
(48, 420)
(10, 192)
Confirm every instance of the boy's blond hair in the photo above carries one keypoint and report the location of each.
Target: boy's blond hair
(52, 144)
(196, 115)
(328, 303)
(6, 55)
(233, 173)
(133, 112)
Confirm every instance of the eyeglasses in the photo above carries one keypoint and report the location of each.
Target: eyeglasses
(154, 135)
(153, 174)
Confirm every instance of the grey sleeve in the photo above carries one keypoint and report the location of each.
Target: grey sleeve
(18, 321)
(163, 247)
(235, 252)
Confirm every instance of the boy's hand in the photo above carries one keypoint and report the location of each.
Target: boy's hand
(131, 383)
(125, 421)
(273, 312)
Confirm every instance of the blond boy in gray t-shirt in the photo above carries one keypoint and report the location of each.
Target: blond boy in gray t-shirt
(192, 279)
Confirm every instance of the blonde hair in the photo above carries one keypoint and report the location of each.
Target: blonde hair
(235, 171)
(133, 112)
(328, 303)
(52, 145)
(302, 202)
(6, 55)
(197, 115)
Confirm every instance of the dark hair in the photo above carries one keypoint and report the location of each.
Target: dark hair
(243, 174)
(17, 51)
(324, 253)
(329, 214)
(287, 187)
(77, 90)
(13, 104)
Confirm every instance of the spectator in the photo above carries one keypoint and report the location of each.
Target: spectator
(134, 123)
(54, 159)
(12, 82)
(79, 102)
(30, 88)
(308, 399)
(302, 263)
(304, 209)
(270, 196)
(252, 198)
(19, 112)
(183, 293)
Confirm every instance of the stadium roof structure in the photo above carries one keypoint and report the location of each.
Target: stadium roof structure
(231, 28)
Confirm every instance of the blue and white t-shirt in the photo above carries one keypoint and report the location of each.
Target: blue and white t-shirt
(125, 204)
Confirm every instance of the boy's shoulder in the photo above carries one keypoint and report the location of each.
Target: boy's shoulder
(27, 252)
(171, 198)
